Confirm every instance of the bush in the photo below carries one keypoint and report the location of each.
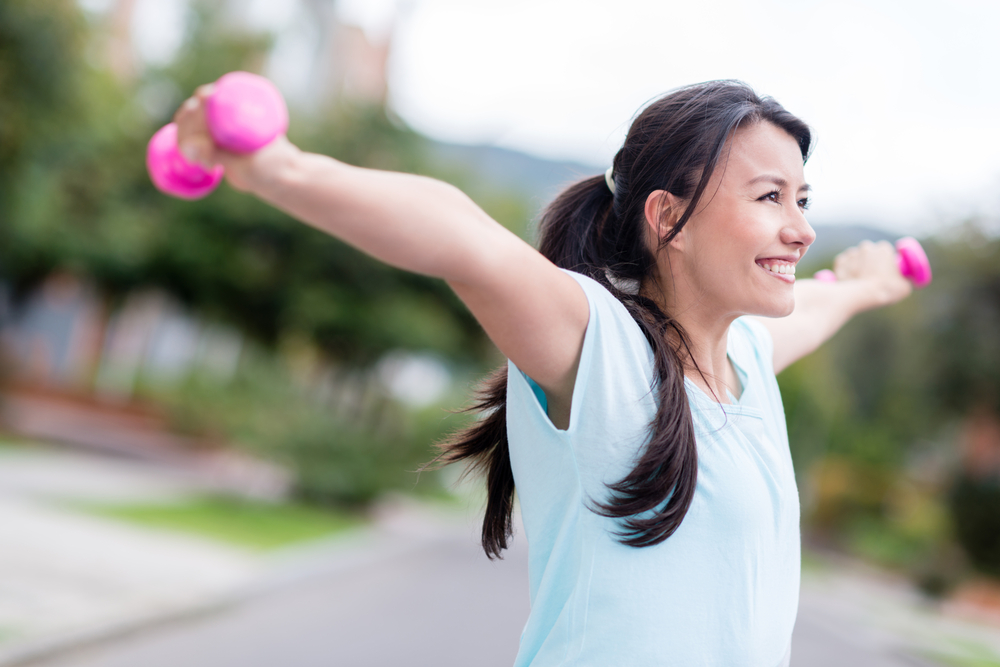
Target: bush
(343, 450)
(974, 502)
(337, 464)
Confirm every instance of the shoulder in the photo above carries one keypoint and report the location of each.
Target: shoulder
(595, 291)
(615, 354)
(609, 318)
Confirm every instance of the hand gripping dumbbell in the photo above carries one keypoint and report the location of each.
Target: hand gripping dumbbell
(910, 257)
(245, 112)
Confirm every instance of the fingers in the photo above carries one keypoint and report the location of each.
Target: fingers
(864, 259)
(193, 138)
(846, 264)
(875, 263)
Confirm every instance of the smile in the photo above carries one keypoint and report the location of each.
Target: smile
(784, 271)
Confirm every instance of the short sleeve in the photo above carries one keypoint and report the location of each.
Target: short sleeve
(612, 340)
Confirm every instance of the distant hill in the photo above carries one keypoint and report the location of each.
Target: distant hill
(831, 239)
(540, 180)
(536, 178)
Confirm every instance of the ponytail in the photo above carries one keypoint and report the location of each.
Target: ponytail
(673, 145)
(484, 445)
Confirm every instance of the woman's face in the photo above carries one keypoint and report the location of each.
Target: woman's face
(737, 254)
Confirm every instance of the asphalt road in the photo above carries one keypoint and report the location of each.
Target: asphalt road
(437, 604)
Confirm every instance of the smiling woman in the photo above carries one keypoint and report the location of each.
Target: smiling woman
(638, 416)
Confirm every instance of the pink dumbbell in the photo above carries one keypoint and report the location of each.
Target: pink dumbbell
(910, 257)
(244, 112)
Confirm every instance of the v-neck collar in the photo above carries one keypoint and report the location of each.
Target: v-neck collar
(740, 406)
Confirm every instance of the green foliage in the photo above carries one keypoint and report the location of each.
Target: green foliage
(340, 465)
(74, 194)
(50, 97)
(884, 385)
(876, 408)
(964, 320)
(343, 451)
(975, 505)
(79, 199)
(40, 43)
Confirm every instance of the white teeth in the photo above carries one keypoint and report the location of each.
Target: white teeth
(787, 269)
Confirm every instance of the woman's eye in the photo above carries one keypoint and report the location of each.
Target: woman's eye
(804, 203)
(774, 196)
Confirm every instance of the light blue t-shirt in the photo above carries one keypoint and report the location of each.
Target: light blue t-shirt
(723, 590)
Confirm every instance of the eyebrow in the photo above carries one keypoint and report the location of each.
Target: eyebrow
(777, 180)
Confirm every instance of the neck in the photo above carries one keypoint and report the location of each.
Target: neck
(706, 362)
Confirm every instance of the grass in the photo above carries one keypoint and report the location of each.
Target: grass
(12, 443)
(246, 523)
(969, 654)
(812, 562)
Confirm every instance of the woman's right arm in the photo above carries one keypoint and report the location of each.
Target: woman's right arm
(533, 312)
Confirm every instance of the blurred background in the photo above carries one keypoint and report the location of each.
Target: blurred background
(295, 384)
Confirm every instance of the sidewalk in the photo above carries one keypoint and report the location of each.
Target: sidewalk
(68, 578)
(873, 612)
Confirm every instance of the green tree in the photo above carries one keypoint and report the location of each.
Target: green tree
(74, 194)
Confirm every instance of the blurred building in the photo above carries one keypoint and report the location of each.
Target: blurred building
(358, 71)
(65, 337)
(332, 60)
(119, 46)
(71, 366)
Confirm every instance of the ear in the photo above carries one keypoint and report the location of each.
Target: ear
(662, 210)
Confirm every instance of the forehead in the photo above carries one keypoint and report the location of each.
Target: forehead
(758, 149)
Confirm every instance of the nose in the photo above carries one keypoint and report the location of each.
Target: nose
(797, 231)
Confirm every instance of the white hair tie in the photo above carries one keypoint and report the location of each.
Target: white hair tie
(609, 178)
(627, 285)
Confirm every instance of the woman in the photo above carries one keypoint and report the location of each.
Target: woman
(639, 416)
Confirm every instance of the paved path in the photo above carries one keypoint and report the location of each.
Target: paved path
(66, 576)
(440, 605)
(437, 602)
(414, 589)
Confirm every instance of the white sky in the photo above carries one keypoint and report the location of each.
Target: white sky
(903, 96)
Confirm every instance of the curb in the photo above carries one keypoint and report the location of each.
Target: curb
(288, 569)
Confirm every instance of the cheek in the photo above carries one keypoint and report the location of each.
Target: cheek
(728, 240)
(722, 267)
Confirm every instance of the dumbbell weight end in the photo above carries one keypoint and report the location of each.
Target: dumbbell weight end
(244, 113)
(910, 258)
(172, 174)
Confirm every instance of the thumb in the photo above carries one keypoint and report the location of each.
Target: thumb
(199, 149)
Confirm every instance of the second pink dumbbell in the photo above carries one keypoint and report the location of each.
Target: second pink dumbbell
(245, 112)
(910, 257)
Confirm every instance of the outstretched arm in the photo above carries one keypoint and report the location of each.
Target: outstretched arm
(533, 312)
(868, 278)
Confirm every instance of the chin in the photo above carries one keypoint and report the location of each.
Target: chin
(776, 309)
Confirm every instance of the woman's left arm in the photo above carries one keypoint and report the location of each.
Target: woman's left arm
(867, 278)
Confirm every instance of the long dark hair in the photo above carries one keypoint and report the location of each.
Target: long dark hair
(674, 144)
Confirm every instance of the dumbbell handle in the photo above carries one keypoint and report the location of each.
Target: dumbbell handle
(245, 112)
(910, 257)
